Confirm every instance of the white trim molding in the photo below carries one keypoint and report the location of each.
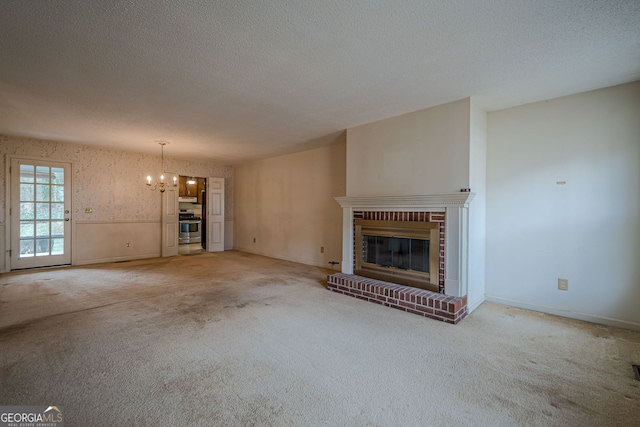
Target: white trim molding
(455, 206)
(565, 313)
(402, 203)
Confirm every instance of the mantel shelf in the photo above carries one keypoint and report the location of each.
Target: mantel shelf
(455, 207)
(400, 202)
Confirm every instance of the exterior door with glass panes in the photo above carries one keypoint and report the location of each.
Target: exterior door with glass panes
(40, 213)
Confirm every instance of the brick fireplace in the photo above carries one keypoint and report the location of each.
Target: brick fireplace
(438, 292)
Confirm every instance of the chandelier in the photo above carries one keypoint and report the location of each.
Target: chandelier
(161, 185)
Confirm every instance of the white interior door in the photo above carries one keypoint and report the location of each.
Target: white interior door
(170, 218)
(215, 220)
(40, 213)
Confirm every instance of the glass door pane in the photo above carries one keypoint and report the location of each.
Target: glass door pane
(41, 228)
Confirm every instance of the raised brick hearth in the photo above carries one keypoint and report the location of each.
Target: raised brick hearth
(417, 301)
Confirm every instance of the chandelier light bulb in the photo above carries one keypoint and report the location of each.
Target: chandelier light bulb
(161, 185)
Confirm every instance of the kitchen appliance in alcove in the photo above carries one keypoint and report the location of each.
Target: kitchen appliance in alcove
(193, 212)
(190, 227)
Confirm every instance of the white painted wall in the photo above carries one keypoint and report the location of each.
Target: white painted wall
(477, 210)
(587, 231)
(287, 204)
(433, 151)
(424, 152)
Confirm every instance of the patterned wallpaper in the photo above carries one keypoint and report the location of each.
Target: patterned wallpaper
(111, 183)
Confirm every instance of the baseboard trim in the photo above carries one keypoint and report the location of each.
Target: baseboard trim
(118, 221)
(292, 259)
(566, 313)
(474, 304)
(115, 259)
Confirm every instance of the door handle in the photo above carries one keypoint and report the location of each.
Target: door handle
(66, 219)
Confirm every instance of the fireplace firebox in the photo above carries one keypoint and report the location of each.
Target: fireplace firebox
(398, 252)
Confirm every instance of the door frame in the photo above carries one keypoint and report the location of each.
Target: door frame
(8, 206)
(215, 222)
(170, 219)
(211, 219)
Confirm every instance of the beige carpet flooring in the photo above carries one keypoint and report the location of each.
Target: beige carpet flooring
(234, 339)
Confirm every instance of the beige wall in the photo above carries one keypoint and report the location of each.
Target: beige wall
(112, 184)
(3, 266)
(286, 203)
(587, 230)
(424, 152)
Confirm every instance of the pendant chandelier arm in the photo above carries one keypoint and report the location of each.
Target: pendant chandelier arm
(161, 185)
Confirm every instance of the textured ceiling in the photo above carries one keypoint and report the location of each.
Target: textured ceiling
(237, 80)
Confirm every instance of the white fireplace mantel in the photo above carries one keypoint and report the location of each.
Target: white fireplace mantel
(456, 208)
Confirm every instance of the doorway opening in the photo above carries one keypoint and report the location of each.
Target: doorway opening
(192, 205)
(205, 211)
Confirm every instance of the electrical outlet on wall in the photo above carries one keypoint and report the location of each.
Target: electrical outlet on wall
(563, 284)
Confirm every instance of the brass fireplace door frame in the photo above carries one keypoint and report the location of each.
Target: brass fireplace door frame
(402, 229)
